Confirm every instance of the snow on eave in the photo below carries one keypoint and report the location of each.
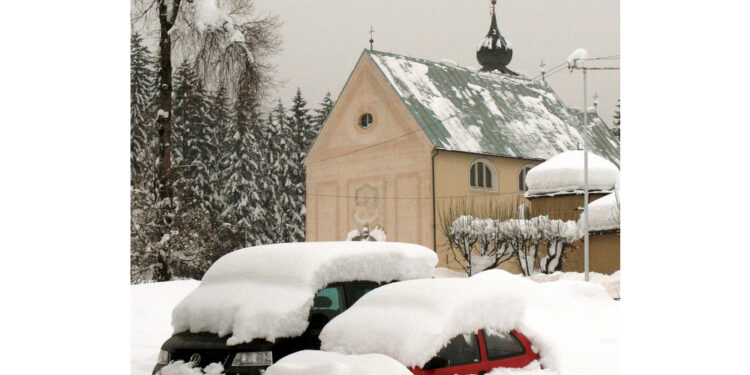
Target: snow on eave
(563, 193)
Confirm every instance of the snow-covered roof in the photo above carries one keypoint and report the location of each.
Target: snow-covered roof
(462, 109)
(412, 320)
(563, 174)
(315, 362)
(604, 214)
(267, 291)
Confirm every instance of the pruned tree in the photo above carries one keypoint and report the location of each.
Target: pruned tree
(525, 237)
(559, 235)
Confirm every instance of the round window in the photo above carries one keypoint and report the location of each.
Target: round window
(365, 121)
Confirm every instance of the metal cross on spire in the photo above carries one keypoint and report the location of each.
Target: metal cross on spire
(492, 6)
(371, 40)
(541, 67)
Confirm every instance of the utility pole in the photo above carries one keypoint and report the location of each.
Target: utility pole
(586, 160)
(585, 180)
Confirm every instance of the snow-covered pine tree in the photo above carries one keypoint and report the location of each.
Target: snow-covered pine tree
(279, 163)
(321, 114)
(192, 142)
(244, 211)
(616, 122)
(221, 130)
(301, 135)
(141, 96)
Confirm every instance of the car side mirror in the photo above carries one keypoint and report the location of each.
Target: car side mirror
(322, 302)
(436, 362)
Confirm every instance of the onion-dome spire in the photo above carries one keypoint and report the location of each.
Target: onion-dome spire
(494, 52)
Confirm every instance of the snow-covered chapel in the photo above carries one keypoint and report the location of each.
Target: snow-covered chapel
(410, 137)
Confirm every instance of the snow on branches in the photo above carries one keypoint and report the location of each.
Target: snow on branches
(486, 243)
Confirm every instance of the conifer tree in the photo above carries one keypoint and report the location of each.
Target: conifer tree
(244, 211)
(220, 132)
(193, 147)
(322, 113)
(141, 95)
(302, 133)
(616, 128)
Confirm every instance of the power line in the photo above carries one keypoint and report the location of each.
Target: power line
(415, 198)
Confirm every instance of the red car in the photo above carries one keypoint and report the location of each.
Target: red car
(479, 353)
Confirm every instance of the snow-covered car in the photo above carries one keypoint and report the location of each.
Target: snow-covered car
(256, 305)
(437, 326)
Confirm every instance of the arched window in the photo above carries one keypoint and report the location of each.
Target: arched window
(482, 175)
(522, 178)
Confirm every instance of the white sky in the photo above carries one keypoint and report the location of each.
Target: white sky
(322, 39)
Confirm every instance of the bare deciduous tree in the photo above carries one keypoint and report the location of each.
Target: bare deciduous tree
(227, 44)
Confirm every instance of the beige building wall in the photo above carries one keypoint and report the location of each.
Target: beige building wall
(376, 176)
(453, 191)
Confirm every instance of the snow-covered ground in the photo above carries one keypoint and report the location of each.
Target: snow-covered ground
(611, 283)
(152, 305)
(150, 320)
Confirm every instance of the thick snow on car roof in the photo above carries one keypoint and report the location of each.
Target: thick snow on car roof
(315, 362)
(412, 320)
(267, 291)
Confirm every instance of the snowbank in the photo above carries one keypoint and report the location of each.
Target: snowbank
(573, 325)
(604, 213)
(563, 173)
(533, 368)
(182, 368)
(412, 320)
(267, 291)
(150, 307)
(447, 272)
(314, 362)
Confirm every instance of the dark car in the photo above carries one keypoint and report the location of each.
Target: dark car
(254, 357)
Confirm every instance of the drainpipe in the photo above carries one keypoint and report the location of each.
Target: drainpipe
(434, 212)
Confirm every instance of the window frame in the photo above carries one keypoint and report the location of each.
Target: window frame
(361, 116)
(479, 351)
(525, 173)
(487, 347)
(488, 165)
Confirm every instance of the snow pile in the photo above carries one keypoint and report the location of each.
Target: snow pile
(579, 54)
(412, 320)
(150, 305)
(604, 213)
(443, 272)
(314, 362)
(573, 325)
(267, 291)
(564, 174)
(533, 368)
(182, 368)
(611, 283)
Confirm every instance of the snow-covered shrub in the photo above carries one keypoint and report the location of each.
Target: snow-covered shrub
(559, 235)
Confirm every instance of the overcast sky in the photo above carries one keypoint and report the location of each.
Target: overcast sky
(322, 39)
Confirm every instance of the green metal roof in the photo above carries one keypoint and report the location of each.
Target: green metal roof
(461, 109)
